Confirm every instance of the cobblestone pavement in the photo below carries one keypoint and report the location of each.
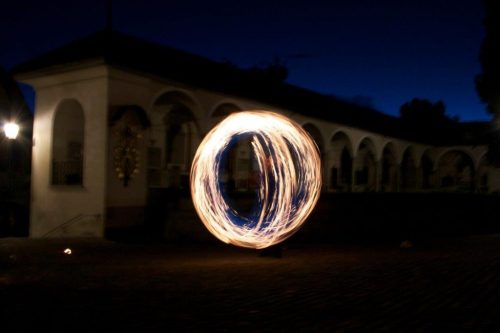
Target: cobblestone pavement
(438, 286)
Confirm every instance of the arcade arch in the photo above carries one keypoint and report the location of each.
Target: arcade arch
(340, 162)
(222, 111)
(316, 135)
(365, 167)
(174, 136)
(409, 175)
(456, 171)
(428, 172)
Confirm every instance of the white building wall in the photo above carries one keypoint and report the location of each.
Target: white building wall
(70, 210)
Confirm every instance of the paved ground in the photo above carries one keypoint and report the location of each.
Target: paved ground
(446, 285)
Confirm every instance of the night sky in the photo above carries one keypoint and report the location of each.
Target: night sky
(382, 53)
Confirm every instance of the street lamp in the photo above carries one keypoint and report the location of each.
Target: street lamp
(11, 130)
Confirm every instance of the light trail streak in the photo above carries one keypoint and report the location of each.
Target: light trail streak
(290, 179)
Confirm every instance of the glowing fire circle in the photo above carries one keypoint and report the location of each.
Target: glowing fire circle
(289, 179)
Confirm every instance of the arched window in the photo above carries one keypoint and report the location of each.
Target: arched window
(68, 144)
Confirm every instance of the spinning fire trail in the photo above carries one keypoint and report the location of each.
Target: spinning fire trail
(289, 179)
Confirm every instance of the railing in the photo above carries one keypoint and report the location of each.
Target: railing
(67, 172)
(77, 219)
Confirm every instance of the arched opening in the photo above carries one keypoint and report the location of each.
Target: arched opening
(389, 181)
(345, 175)
(456, 172)
(483, 174)
(68, 144)
(408, 171)
(242, 171)
(224, 110)
(315, 133)
(339, 161)
(428, 174)
(173, 139)
(365, 167)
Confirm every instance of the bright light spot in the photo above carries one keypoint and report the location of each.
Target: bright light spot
(67, 251)
(11, 130)
(290, 179)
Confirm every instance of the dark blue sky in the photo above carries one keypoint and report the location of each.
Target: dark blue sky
(387, 52)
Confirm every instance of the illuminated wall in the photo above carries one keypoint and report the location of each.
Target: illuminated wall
(72, 209)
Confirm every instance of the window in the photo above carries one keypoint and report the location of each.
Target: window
(68, 144)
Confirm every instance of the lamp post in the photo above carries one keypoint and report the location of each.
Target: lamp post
(11, 131)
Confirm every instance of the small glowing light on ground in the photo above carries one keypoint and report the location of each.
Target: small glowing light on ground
(67, 251)
(11, 130)
(289, 180)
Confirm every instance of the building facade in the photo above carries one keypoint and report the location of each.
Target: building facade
(117, 119)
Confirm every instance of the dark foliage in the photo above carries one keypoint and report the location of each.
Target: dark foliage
(274, 71)
(488, 82)
(422, 116)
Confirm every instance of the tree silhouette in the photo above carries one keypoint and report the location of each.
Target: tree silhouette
(274, 71)
(488, 81)
(423, 110)
(422, 117)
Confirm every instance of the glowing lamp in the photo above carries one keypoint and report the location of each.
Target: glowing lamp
(11, 130)
(289, 179)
